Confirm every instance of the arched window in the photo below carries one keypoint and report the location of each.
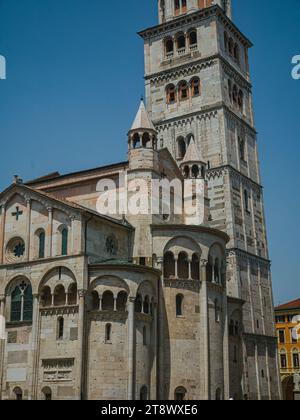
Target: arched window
(121, 302)
(144, 393)
(47, 393)
(217, 272)
(195, 171)
(235, 94)
(230, 90)
(231, 328)
(246, 200)
(226, 41)
(72, 294)
(146, 140)
(108, 301)
(193, 38)
(242, 149)
(241, 101)
(236, 53)
(183, 90)
(180, 394)
(64, 242)
(18, 394)
(138, 304)
(195, 86)
(179, 305)
(60, 328)
(136, 141)
(296, 359)
(169, 265)
(21, 303)
(183, 266)
(95, 300)
(180, 39)
(41, 239)
(177, 7)
(171, 94)
(209, 271)
(46, 297)
(169, 46)
(59, 296)
(218, 394)
(231, 46)
(186, 172)
(181, 146)
(217, 311)
(146, 305)
(195, 267)
(108, 333)
(145, 338)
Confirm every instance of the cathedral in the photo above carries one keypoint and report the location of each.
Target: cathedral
(150, 306)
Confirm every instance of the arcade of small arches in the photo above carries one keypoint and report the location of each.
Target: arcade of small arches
(180, 43)
(144, 140)
(183, 267)
(236, 96)
(183, 91)
(195, 171)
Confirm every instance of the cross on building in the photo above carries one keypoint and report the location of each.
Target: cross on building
(17, 213)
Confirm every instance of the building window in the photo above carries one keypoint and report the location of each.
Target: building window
(108, 333)
(242, 149)
(41, 238)
(281, 335)
(246, 200)
(171, 94)
(180, 394)
(193, 38)
(108, 301)
(179, 305)
(138, 304)
(121, 301)
(280, 319)
(169, 265)
(145, 341)
(283, 361)
(169, 47)
(47, 394)
(183, 91)
(296, 360)
(21, 303)
(195, 86)
(183, 266)
(294, 338)
(181, 147)
(144, 393)
(18, 394)
(180, 40)
(64, 242)
(60, 328)
(59, 296)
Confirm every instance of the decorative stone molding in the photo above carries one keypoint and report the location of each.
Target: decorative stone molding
(82, 293)
(67, 310)
(192, 285)
(108, 316)
(146, 319)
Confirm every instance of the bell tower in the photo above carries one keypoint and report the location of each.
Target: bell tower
(172, 9)
(198, 86)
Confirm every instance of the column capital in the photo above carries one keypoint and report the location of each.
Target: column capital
(132, 299)
(2, 298)
(203, 263)
(82, 293)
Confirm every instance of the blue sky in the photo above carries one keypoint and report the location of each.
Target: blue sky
(75, 76)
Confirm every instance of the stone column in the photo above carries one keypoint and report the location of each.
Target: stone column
(34, 347)
(160, 334)
(176, 267)
(131, 349)
(226, 348)
(205, 329)
(50, 232)
(2, 341)
(81, 351)
(28, 228)
(2, 231)
(154, 350)
(190, 269)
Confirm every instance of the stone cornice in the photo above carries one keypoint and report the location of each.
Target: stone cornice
(193, 285)
(207, 113)
(191, 228)
(207, 13)
(247, 256)
(195, 66)
(220, 170)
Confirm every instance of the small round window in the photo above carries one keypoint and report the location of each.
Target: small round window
(15, 250)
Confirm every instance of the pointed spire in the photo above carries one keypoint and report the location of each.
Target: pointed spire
(142, 119)
(192, 154)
